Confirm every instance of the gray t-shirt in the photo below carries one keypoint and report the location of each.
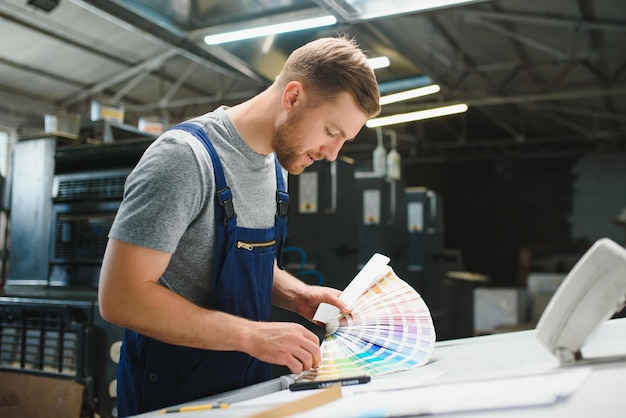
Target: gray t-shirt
(169, 200)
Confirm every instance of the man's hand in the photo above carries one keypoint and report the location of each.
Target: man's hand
(293, 294)
(284, 343)
(312, 296)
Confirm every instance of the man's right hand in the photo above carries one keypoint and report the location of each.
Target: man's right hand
(284, 343)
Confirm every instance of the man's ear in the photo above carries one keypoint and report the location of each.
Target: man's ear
(293, 95)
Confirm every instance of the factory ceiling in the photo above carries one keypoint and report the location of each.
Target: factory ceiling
(541, 78)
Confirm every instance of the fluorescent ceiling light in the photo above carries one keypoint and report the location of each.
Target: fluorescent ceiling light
(418, 115)
(274, 29)
(409, 94)
(379, 62)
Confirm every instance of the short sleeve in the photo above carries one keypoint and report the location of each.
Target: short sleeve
(162, 196)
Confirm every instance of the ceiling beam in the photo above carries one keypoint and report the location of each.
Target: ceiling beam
(169, 37)
(551, 21)
(220, 98)
(523, 55)
(517, 135)
(41, 73)
(465, 59)
(174, 88)
(62, 33)
(149, 65)
(584, 111)
(525, 40)
(565, 122)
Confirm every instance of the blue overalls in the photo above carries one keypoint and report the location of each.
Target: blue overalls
(153, 374)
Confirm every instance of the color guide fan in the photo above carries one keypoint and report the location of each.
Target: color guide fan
(390, 328)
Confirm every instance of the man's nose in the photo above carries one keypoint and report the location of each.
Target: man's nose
(331, 151)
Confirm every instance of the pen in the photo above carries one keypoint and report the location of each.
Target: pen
(192, 408)
(321, 384)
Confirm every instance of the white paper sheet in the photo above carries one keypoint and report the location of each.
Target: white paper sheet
(515, 392)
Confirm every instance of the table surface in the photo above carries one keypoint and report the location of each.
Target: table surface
(479, 376)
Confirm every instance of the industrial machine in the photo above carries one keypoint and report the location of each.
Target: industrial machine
(322, 222)
(424, 226)
(430, 263)
(381, 214)
(425, 241)
(64, 196)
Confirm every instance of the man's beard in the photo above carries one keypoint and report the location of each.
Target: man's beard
(286, 144)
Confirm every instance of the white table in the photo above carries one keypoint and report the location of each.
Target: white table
(471, 373)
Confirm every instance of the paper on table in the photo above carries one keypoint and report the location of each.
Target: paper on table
(524, 391)
(401, 381)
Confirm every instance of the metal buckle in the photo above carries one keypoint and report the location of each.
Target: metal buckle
(282, 203)
(225, 200)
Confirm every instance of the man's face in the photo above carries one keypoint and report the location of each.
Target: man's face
(310, 134)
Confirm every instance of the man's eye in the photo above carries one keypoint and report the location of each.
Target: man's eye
(329, 133)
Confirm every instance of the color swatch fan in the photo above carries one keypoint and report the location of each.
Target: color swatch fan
(390, 328)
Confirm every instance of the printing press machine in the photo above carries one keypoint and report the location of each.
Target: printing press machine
(64, 195)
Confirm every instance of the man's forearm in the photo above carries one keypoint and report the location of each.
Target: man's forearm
(286, 290)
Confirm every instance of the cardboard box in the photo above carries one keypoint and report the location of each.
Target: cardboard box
(30, 396)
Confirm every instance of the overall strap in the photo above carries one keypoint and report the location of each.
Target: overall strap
(224, 208)
(282, 206)
(224, 195)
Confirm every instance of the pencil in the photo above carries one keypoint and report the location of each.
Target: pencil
(192, 408)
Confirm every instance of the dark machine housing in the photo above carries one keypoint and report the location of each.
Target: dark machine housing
(64, 196)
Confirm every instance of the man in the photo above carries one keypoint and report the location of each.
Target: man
(190, 267)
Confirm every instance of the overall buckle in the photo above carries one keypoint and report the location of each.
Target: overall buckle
(282, 203)
(225, 200)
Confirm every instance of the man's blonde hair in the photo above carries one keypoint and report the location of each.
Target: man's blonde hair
(329, 66)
